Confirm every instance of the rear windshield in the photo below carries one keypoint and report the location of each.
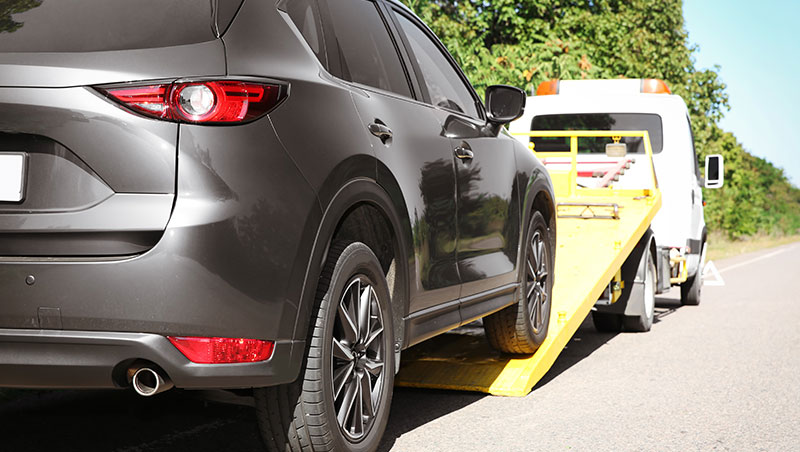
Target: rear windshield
(97, 25)
(598, 121)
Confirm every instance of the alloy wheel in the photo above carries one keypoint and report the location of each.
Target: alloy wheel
(358, 358)
(537, 274)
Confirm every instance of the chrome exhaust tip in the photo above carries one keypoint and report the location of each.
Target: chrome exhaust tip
(149, 382)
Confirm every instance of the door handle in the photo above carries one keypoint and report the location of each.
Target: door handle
(464, 152)
(381, 131)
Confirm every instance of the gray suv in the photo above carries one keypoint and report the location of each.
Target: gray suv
(243, 194)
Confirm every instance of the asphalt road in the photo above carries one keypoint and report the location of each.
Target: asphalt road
(721, 376)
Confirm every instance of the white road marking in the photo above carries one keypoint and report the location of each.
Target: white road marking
(756, 259)
(712, 269)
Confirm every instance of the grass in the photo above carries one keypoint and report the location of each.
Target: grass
(720, 246)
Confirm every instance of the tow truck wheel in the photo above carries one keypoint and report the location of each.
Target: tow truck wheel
(341, 400)
(644, 321)
(690, 290)
(522, 327)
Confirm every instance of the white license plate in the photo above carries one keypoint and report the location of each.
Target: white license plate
(12, 176)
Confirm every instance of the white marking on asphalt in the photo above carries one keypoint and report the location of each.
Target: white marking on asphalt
(712, 269)
(756, 259)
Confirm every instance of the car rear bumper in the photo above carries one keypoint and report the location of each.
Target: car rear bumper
(81, 359)
(231, 263)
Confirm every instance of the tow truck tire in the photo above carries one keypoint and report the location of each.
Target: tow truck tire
(607, 322)
(522, 327)
(341, 400)
(643, 322)
(690, 290)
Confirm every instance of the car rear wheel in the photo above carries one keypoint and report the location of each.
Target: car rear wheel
(522, 327)
(341, 400)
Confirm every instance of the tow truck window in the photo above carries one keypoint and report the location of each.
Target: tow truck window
(598, 121)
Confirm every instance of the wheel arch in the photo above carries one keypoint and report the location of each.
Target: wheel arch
(539, 196)
(361, 210)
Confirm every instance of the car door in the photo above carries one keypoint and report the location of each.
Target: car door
(487, 199)
(409, 144)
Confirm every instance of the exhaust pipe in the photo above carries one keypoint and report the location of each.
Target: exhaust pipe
(148, 382)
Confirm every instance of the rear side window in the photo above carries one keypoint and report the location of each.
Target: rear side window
(445, 87)
(306, 16)
(363, 51)
(599, 121)
(97, 25)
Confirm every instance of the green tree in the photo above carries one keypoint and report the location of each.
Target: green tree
(525, 42)
(9, 7)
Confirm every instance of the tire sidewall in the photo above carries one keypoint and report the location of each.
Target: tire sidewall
(537, 222)
(649, 298)
(356, 260)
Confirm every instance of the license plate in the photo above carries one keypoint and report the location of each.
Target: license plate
(12, 176)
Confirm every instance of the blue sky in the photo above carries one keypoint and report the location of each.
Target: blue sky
(757, 45)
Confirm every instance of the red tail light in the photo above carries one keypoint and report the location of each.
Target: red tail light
(204, 102)
(221, 350)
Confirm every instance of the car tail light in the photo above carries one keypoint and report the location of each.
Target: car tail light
(222, 350)
(202, 102)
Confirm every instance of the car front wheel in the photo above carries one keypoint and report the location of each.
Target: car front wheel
(522, 327)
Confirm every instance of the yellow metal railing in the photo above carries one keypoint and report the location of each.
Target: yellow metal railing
(683, 271)
(573, 136)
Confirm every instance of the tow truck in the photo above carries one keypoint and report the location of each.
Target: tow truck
(642, 104)
(605, 254)
(610, 260)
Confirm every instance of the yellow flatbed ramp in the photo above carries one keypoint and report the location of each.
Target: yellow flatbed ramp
(596, 231)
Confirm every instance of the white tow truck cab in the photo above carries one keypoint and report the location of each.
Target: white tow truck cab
(633, 105)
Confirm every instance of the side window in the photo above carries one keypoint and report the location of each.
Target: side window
(305, 15)
(363, 51)
(694, 149)
(445, 86)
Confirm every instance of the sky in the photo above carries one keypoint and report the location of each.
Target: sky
(757, 46)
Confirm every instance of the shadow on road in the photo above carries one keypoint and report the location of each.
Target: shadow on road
(585, 341)
(413, 408)
(120, 421)
(665, 307)
(178, 421)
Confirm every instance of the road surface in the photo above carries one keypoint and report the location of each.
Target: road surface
(724, 375)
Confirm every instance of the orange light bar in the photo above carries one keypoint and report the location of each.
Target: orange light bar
(654, 86)
(547, 88)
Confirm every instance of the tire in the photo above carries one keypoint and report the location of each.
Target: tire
(607, 322)
(522, 327)
(349, 359)
(690, 290)
(643, 322)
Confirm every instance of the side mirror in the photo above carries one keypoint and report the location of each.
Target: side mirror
(715, 171)
(503, 104)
